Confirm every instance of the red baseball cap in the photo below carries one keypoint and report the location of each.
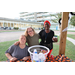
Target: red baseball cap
(47, 22)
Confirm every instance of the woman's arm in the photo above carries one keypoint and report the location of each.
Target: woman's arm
(25, 58)
(55, 39)
(10, 57)
(9, 52)
(16, 43)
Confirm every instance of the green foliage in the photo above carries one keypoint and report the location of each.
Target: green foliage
(57, 17)
(72, 20)
(16, 28)
(3, 47)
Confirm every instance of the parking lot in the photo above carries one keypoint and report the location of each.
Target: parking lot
(5, 28)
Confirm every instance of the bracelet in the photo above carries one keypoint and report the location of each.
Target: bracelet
(11, 58)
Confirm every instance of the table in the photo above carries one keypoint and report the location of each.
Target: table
(58, 58)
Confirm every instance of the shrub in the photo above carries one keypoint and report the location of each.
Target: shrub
(16, 28)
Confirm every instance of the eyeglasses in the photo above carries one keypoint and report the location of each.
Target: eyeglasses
(30, 31)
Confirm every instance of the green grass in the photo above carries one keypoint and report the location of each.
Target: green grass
(71, 30)
(69, 52)
(56, 48)
(71, 36)
(3, 47)
(67, 30)
(10, 30)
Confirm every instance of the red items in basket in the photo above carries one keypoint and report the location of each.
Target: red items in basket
(44, 51)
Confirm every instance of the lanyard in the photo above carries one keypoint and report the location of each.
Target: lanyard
(46, 34)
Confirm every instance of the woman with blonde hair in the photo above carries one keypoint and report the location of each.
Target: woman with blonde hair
(26, 31)
(18, 52)
(31, 36)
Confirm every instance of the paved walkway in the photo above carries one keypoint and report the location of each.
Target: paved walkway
(9, 36)
(57, 32)
(70, 39)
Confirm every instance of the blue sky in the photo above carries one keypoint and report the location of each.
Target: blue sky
(10, 14)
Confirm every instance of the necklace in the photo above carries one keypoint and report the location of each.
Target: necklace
(46, 35)
(22, 46)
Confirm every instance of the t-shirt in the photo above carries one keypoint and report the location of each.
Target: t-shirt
(16, 51)
(34, 40)
(46, 38)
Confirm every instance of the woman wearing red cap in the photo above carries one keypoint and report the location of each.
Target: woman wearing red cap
(46, 36)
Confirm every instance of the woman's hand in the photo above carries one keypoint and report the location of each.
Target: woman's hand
(55, 39)
(16, 43)
(25, 58)
(10, 57)
(13, 59)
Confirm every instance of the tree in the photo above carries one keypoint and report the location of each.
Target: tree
(57, 17)
(72, 20)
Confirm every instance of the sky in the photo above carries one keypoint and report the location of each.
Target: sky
(12, 15)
